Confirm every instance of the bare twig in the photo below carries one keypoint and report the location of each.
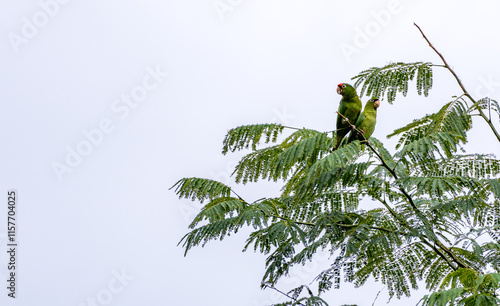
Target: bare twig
(376, 297)
(290, 297)
(481, 113)
(240, 198)
(292, 128)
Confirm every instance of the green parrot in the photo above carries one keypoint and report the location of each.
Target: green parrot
(366, 121)
(350, 107)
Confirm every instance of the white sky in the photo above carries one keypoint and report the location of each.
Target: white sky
(111, 212)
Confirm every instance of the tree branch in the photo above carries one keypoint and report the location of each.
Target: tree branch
(439, 253)
(352, 126)
(341, 225)
(290, 297)
(395, 214)
(421, 216)
(240, 198)
(481, 113)
(298, 222)
(292, 128)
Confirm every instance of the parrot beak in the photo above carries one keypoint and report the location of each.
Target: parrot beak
(339, 89)
(376, 104)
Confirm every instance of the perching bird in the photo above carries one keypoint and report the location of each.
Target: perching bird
(350, 108)
(366, 121)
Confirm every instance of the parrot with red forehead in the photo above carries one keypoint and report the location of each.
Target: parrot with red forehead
(365, 125)
(350, 108)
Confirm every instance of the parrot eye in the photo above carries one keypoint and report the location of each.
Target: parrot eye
(343, 86)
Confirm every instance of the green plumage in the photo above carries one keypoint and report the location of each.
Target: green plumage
(365, 125)
(350, 107)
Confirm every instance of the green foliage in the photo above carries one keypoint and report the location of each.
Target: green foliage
(466, 288)
(249, 136)
(449, 126)
(434, 218)
(298, 150)
(488, 105)
(200, 189)
(393, 78)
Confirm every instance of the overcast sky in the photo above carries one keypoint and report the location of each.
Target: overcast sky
(106, 104)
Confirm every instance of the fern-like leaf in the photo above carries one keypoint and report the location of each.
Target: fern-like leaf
(211, 231)
(219, 209)
(200, 189)
(249, 136)
(393, 78)
(477, 166)
(300, 149)
(453, 119)
(442, 298)
(488, 105)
